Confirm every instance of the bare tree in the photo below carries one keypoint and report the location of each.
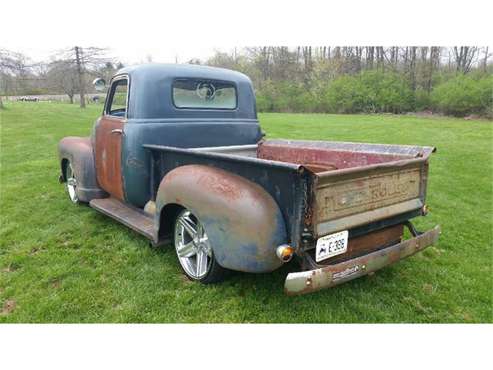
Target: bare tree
(485, 59)
(412, 66)
(464, 57)
(370, 56)
(63, 76)
(83, 59)
(11, 64)
(261, 57)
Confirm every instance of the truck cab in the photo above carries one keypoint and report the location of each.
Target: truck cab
(178, 155)
(185, 106)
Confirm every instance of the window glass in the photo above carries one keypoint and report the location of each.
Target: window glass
(118, 102)
(195, 93)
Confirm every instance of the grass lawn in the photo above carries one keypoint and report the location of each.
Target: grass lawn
(66, 263)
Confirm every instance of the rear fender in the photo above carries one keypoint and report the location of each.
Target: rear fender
(79, 151)
(242, 221)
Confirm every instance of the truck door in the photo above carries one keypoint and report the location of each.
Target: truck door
(108, 141)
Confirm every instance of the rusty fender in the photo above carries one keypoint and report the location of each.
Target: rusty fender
(242, 220)
(79, 151)
(326, 277)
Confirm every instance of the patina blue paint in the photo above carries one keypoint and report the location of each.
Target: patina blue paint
(153, 119)
(186, 134)
(240, 253)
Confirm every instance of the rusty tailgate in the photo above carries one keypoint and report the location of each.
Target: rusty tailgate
(352, 197)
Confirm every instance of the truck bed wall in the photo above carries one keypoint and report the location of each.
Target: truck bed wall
(286, 183)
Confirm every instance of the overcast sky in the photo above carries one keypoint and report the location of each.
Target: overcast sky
(162, 54)
(183, 29)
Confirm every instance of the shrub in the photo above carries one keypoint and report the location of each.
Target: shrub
(344, 95)
(370, 91)
(422, 100)
(265, 96)
(464, 95)
(284, 96)
(376, 92)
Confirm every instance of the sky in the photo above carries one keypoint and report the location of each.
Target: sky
(134, 55)
(178, 30)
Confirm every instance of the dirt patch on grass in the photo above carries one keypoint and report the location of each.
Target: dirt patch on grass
(56, 283)
(10, 268)
(8, 307)
(429, 288)
(34, 251)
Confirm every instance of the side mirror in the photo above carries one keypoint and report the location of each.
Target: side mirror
(99, 84)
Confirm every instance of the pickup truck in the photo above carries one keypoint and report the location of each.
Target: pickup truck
(178, 155)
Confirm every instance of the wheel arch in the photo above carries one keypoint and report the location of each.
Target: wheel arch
(79, 152)
(243, 222)
(63, 167)
(167, 217)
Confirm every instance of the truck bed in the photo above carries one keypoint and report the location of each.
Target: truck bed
(321, 187)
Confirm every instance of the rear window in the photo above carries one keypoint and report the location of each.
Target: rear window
(196, 93)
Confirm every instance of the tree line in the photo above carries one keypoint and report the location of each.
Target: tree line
(327, 79)
(69, 72)
(345, 79)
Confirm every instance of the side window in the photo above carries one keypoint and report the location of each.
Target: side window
(117, 104)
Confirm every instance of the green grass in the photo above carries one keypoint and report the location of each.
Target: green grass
(66, 263)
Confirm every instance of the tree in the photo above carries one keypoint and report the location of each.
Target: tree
(485, 58)
(63, 77)
(83, 60)
(464, 57)
(11, 64)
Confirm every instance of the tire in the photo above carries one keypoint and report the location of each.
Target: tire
(71, 183)
(194, 251)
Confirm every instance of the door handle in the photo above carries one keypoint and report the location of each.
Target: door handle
(117, 131)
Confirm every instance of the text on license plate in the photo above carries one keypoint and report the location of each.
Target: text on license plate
(331, 245)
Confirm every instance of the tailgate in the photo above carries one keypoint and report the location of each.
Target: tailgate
(352, 197)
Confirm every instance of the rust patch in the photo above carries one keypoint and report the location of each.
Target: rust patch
(8, 307)
(108, 149)
(241, 219)
(220, 185)
(319, 167)
(321, 159)
(339, 199)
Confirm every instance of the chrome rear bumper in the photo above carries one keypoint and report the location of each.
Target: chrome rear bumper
(326, 277)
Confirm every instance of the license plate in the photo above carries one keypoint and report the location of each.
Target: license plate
(331, 245)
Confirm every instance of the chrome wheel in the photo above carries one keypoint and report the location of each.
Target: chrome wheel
(192, 246)
(71, 184)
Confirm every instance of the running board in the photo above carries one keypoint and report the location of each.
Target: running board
(130, 216)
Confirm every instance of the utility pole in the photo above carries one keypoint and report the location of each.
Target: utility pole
(80, 72)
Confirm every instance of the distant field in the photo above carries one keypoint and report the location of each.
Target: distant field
(66, 263)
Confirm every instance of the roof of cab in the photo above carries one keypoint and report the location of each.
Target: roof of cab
(150, 91)
(158, 70)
